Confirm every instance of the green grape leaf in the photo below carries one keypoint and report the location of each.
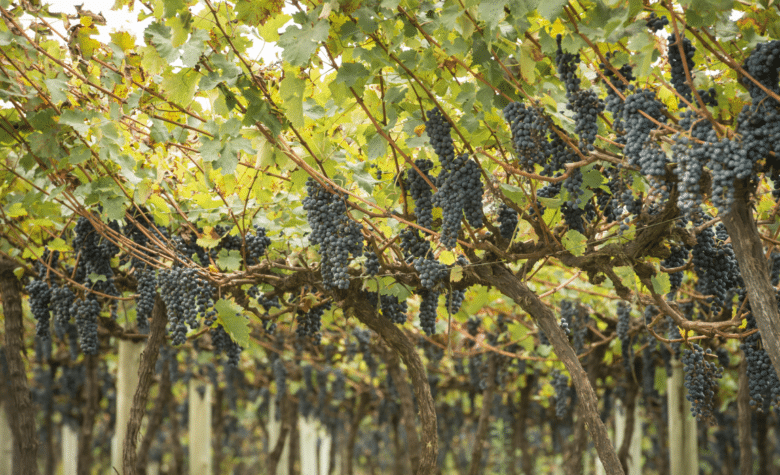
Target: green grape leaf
(230, 260)
(661, 284)
(300, 41)
(575, 242)
(231, 316)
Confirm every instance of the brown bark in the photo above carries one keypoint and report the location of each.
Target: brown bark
(23, 420)
(743, 421)
(754, 268)
(484, 418)
(399, 342)
(155, 418)
(407, 406)
(92, 402)
(145, 379)
(360, 412)
(513, 443)
(498, 276)
(276, 453)
(629, 403)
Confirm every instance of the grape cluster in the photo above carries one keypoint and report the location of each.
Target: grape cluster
(529, 129)
(655, 23)
(257, 245)
(460, 192)
(280, 378)
(709, 97)
(566, 64)
(414, 246)
(728, 161)
(678, 65)
(438, 130)
(40, 300)
(393, 309)
(364, 345)
(677, 258)
(689, 170)
(763, 383)
(224, 344)
(586, 106)
(716, 266)
(614, 103)
(61, 300)
(87, 313)
(507, 221)
(372, 261)
(309, 323)
(638, 128)
(573, 209)
(431, 271)
(147, 291)
(429, 304)
(94, 256)
(623, 325)
(701, 381)
(454, 300)
(421, 192)
(563, 394)
(185, 296)
(763, 65)
(338, 236)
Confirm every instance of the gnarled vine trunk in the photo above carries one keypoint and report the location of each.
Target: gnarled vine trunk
(23, 413)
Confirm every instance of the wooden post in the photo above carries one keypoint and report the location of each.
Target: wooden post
(324, 456)
(307, 434)
(274, 430)
(70, 449)
(6, 442)
(126, 384)
(200, 395)
(683, 450)
(153, 468)
(635, 449)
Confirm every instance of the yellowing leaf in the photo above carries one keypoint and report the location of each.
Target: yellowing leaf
(661, 284)
(575, 242)
(16, 210)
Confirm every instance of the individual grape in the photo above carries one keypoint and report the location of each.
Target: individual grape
(338, 236)
(428, 310)
(507, 219)
(701, 381)
(422, 192)
(438, 130)
(86, 313)
(678, 64)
